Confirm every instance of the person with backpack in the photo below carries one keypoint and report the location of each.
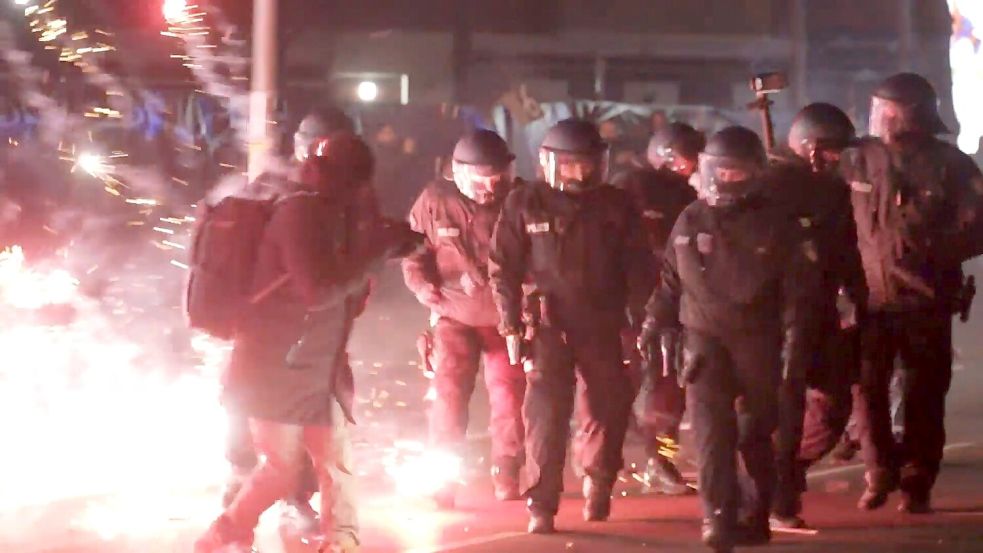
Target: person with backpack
(916, 202)
(289, 371)
(281, 179)
(449, 276)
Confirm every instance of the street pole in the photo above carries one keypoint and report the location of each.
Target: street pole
(263, 89)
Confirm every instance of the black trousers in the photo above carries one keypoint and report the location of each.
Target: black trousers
(813, 412)
(558, 358)
(733, 401)
(923, 340)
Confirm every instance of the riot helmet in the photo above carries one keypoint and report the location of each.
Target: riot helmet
(819, 134)
(676, 147)
(317, 124)
(481, 166)
(573, 157)
(338, 163)
(731, 166)
(905, 102)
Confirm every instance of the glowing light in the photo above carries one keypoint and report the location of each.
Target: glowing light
(418, 471)
(175, 10)
(966, 61)
(83, 386)
(367, 91)
(92, 164)
(21, 2)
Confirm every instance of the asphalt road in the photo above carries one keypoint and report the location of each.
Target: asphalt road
(392, 408)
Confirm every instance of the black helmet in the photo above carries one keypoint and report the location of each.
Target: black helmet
(905, 102)
(480, 166)
(338, 163)
(819, 133)
(573, 156)
(483, 147)
(319, 123)
(677, 147)
(730, 166)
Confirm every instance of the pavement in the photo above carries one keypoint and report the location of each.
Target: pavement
(391, 410)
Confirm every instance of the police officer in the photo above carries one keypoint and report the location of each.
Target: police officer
(579, 246)
(916, 203)
(450, 277)
(814, 409)
(660, 192)
(737, 282)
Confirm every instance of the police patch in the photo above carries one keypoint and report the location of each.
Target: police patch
(448, 232)
(861, 186)
(704, 243)
(538, 228)
(652, 214)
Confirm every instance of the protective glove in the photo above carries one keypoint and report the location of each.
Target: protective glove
(648, 343)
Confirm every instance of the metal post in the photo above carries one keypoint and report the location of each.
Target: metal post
(263, 84)
(906, 35)
(800, 52)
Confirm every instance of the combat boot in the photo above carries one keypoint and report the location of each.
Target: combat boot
(597, 494)
(716, 535)
(506, 483)
(662, 476)
(754, 531)
(540, 523)
(880, 484)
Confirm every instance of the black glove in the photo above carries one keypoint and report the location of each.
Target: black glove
(648, 342)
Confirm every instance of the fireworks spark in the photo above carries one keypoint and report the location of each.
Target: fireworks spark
(113, 418)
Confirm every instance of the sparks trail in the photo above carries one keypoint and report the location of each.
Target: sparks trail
(70, 377)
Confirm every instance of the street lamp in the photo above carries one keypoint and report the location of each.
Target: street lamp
(367, 91)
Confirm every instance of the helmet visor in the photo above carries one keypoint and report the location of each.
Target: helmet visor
(726, 180)
(823, 154)
(573, 172)
(674, 160)
(481, 183)
(888, 118)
